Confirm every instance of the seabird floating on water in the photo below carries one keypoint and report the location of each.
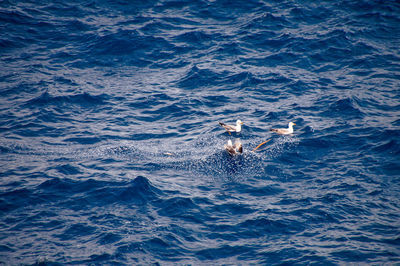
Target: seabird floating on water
(284, 131)
(234, 149)
(231, 128)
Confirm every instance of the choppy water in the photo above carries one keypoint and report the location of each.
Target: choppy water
(94, 94)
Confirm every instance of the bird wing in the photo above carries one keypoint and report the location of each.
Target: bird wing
(280, 130)
(227, 127)
(230, 149)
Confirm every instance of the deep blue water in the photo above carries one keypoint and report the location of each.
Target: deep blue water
(111, 152)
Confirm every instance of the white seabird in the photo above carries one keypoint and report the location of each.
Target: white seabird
(284, 131)
(234, 149)
(231, 128)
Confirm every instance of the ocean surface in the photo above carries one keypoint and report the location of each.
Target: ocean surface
(111, 152)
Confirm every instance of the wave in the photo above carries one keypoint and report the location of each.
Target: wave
(111, 152)
(83, 99)
(344, 107)
(197, 76)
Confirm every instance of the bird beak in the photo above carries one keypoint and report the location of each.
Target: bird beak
(242, 123)
(294, 124)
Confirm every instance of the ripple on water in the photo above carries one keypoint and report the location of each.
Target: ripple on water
(111, 152)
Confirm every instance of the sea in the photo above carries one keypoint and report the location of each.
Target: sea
(111, 152)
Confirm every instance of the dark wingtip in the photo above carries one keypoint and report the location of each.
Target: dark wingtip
(240, 149)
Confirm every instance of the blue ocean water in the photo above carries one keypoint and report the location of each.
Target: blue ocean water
(111, 152)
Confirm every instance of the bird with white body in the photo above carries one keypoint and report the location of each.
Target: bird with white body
(231, 128)
(284, 131)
